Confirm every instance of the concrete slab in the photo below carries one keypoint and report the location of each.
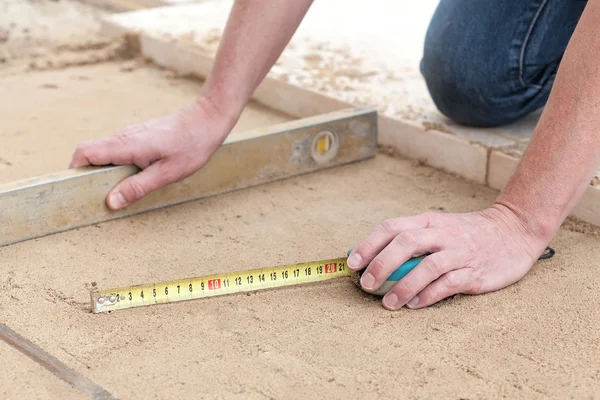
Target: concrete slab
(501, 167)
(434, 148)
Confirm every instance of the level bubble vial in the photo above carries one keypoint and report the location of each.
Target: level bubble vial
(324, 146)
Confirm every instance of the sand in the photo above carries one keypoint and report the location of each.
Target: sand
(31, 27)
(66, 101)
(23, 378)
(536, 339)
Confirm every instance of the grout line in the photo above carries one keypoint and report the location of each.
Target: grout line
(53, 364)
(488, 161)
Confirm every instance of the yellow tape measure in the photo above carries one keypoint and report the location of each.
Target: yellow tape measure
(218, 285)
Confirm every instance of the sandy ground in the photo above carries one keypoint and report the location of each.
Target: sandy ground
(61, 77)
(84, 103)
(30, 27)
(537, 339)
(23, 378)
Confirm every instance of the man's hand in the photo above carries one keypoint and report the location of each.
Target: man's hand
(480, 252)
(471, 253)
(167, 149)
(175, 146)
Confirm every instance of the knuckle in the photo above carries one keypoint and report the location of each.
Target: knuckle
(406, 239)
(136, 189)
(169, 174)
(83, 148)
(120, 138)
(432, 295)
(404, 289)
(127, 134)
(451, 281)
(389, 227)
(472, 285)
(429, 218)
(434, 265)
(128, 130)
(377, 266)
(366, 247)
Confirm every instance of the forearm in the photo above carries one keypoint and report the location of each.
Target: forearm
(564, 151)
(256, 34)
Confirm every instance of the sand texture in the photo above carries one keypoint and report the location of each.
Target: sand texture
(536, 339)
(50, 112)
(31, 27)
(23, 378)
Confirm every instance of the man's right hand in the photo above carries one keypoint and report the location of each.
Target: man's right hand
(167, 149)
(172, 147)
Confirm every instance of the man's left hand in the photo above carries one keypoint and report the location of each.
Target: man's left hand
(471, 253)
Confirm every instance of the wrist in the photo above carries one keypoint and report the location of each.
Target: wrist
(535, 230)
(222, 102)
(221, 118)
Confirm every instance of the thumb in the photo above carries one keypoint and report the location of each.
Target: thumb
(140, 185)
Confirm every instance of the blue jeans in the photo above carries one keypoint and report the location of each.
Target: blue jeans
(490, 62)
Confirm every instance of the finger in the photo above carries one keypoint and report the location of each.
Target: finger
(429, 270)
(116, 150)
(369, 247)
(399, 250)
(80, 157)
(449, 284)
(141, 184)
(102, 152)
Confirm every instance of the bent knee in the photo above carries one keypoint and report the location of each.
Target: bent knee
(471, 75)
(469, 92)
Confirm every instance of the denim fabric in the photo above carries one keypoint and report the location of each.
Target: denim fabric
(490, 62)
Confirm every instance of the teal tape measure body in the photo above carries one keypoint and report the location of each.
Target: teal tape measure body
(410, 264)
(395, 277)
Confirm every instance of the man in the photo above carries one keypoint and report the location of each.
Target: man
(486, 63)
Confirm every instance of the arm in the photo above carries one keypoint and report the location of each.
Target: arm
(483, 251)
(255, 36)
(172, 147)
(564, 152)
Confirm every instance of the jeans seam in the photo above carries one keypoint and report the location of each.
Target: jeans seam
(524, 46)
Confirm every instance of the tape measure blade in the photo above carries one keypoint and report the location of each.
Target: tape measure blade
(218, 285)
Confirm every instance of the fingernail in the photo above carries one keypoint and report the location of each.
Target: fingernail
(355, 261)
(367, 281)
(116, 201)
(390, 300)
(413, 302)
